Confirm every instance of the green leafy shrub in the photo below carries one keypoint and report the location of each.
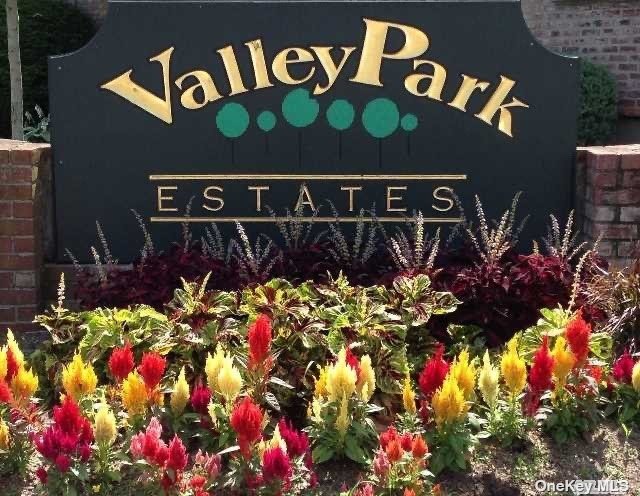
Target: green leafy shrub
(311, 322)
(47, 27)
(598, 110)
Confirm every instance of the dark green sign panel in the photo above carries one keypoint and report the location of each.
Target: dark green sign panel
(236, 108)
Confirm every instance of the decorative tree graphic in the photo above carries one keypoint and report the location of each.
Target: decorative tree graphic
(266, 122)
(300, 110)
(409, 123)
(232, 121)
(380, 118)
(340, 116)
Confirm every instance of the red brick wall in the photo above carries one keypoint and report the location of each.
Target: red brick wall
(23, 167)
(604, 31)
(608, 198)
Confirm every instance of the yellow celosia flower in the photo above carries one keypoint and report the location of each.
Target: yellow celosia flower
(12, 345)
(105, 430)
(367, 380)
(316, 408)
(180, 394)
(212, 368)
(465, 373)
(563, 361)
(448, 402)
(488, 381)
(134, 394)
(78, 378)
(341, 378)
(5, 439)
(24, 384)
(3, 364)
(408, 396)
(514, 369)
(342, 420)
(635, 376)
(229, 380)
(321, 383)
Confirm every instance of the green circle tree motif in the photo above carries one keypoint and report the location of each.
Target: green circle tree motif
(232, 120)
(340, 115)
(299, 109)
(266, 121)
(409, 122)
(380, 117)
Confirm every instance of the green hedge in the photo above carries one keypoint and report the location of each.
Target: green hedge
(598, 106)
(47, 27)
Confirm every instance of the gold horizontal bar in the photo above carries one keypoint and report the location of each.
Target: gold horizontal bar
(364, 177)
(305, 219)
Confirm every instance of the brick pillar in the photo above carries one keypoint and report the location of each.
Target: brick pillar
(23, 169)
(608, 199)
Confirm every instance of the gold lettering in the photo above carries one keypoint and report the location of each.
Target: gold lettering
(467, 87)
(438, 78)
(330, 68)
(233, 71)
(496, 104)
(258, 190)
(304, 198)
(207, 196)
(446, 198)
(259, 64)
(415, 44)
(351, 189)
(161, 198)
(280, 62)
(209, 90)
(158, 107)
(390, 190)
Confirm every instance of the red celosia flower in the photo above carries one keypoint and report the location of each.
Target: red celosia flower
(352, 361)
(409, 492)
(12, 365)
(540, 375)
(419, 447)
(391, 434)
(259, 337)
(394, 450)
(297, 442)
(275, 465)
(578, 332)
(42, 475)
(151, 369)
(246, 420)
(623, 367)
(405, 441)
(69, 436)
(200, 397)
(147, 444)
(63, 463)
(5, 392)
(595, 371)
(121, 362)
(197, 481)
(434, 372)
(177, 459)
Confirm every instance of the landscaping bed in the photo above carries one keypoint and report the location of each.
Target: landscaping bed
(474, 369)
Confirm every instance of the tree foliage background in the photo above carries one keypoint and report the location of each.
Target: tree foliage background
(47, 27)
